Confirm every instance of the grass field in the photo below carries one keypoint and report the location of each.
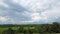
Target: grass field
(16, 28)
(6, 28)
(31, 29)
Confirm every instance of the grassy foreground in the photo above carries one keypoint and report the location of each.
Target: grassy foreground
(31, 29)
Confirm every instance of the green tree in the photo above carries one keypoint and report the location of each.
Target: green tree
(9, 31)
(56, 27)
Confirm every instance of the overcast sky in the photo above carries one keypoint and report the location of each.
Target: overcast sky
(29, 11)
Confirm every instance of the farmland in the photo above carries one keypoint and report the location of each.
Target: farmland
(31, 29)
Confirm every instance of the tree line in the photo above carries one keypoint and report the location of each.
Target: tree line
(42, 28)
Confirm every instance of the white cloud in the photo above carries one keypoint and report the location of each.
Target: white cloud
(1, 1)
(3, 4)
(52, 14)
(37, 10)
(36, 18)
(35, 5)
(3, 19)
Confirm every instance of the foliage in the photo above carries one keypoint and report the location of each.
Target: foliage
(31, 29)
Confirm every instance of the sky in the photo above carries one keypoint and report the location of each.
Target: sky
(29, 11)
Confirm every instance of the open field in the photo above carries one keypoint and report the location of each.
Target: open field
(31, 29)
(16, 28)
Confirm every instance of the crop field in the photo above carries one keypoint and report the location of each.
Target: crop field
(31, 29)
(5, 28)
(2, 29)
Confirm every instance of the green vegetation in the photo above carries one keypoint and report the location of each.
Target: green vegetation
(31, 29)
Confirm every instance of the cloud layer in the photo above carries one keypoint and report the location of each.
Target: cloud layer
(29, 11)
